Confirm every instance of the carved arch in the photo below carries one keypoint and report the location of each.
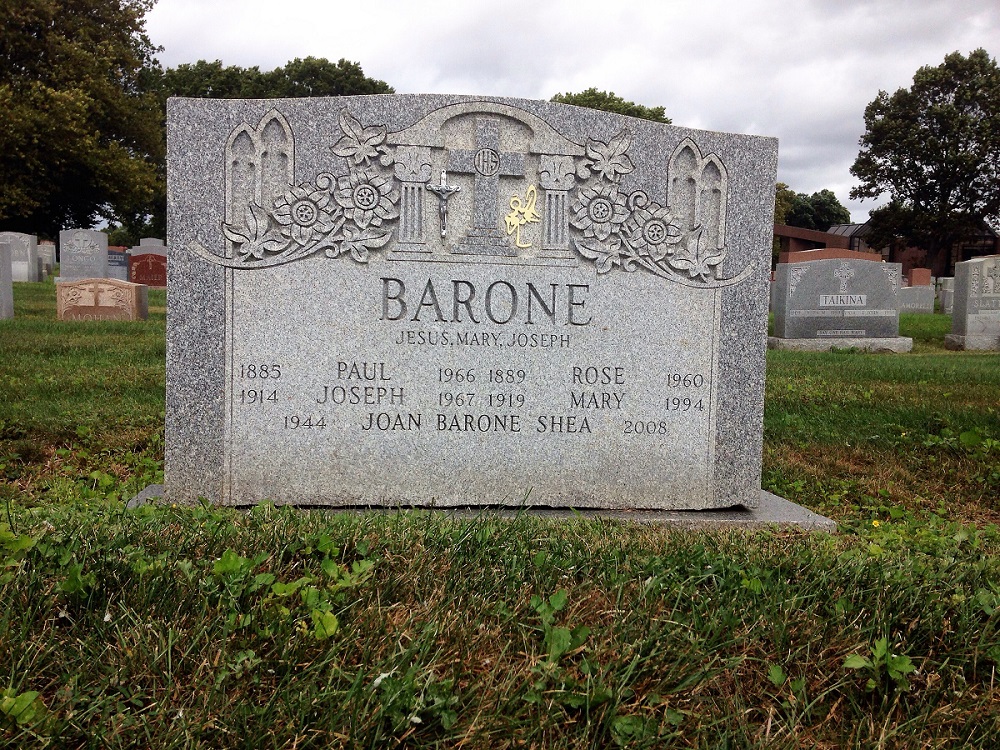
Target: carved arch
(260, 165)
(697, 191)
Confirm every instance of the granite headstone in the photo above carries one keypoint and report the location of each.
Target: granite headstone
(916, 299)
(83, 254)
(118, 263)
(840, 303)
(975, 319)
(24, 256)
(147, 264)
(101, 299)
(6, 281)
(946, 296)
(47, 257)
(459, 301)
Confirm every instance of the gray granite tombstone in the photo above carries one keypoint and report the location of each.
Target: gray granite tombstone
(150, 242)
(6, 281)
(118, 264)
(975, 319)
(946, 296)
(916, 299)
(24, 256)
(83, 254)
(47, 257)
(460, 301)
(837, 303)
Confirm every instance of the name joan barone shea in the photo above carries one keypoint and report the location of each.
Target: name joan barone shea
(500, 302)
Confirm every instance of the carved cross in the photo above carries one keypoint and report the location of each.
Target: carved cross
(488, 163)
(844, 273)
(994, 273)
(443, 191)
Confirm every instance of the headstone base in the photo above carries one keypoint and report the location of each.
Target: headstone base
(957, 342)
(770, 511)
(898, 344)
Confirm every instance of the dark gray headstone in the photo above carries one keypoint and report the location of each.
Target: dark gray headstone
(83, 254)
(975, 319)
(836, 299)
(463, 301)
(118, 265)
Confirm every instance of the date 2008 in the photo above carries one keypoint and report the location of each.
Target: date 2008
(661, 427)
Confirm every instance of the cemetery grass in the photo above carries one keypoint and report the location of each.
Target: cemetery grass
(208, 627)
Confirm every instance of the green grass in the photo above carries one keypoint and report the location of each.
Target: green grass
(207, 627)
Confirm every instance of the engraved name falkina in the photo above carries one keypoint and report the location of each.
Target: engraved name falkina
(553, 202)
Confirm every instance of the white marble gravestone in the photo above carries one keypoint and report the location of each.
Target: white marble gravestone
(447, 300)
(975, 319)
(837, 303)
(6, 281)
(83, 254)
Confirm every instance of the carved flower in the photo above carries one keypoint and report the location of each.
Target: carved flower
(599, 211)
(358, 242)
(304, 214)
(695, 257)
(609, 159)
(651, 230)
(361, 144)
(367, 198)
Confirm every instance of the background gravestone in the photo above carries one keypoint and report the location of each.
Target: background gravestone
(463, 301)
(147, 264)
(83, 254)
(947, 295)
(24, 256)
(840, 303)
(916, 299)
(6, 281)
(101, 299)
(118, 264)
(47, 257)
(975, 320)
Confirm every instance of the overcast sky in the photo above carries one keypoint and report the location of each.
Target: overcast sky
(802, 71)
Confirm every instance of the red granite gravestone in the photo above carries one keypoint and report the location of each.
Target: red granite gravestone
(149, 269)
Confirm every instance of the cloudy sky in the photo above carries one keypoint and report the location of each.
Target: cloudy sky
(802, 71)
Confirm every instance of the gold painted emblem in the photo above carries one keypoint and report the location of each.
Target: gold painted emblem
(521, 212)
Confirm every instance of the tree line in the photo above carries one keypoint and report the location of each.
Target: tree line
(84, 131)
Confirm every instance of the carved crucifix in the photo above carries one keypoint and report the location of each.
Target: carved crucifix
(443, 191)
(488, 163)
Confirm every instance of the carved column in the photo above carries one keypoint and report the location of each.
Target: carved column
(413, 170)
(556, 175)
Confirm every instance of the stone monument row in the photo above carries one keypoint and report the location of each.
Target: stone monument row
(462, 301)
(975, 320)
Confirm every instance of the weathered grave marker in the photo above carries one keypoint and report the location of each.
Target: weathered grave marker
(6, 281)
(975, 320)
(101, 299)
(837, 303)
(83, 254)
(25, 265)
(118, 264)
(458, 301)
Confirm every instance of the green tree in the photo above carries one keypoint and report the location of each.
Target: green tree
(784, 199)
(610, 102)
(818, 211)
(313, 76)
(81, 135)
(934, 149)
